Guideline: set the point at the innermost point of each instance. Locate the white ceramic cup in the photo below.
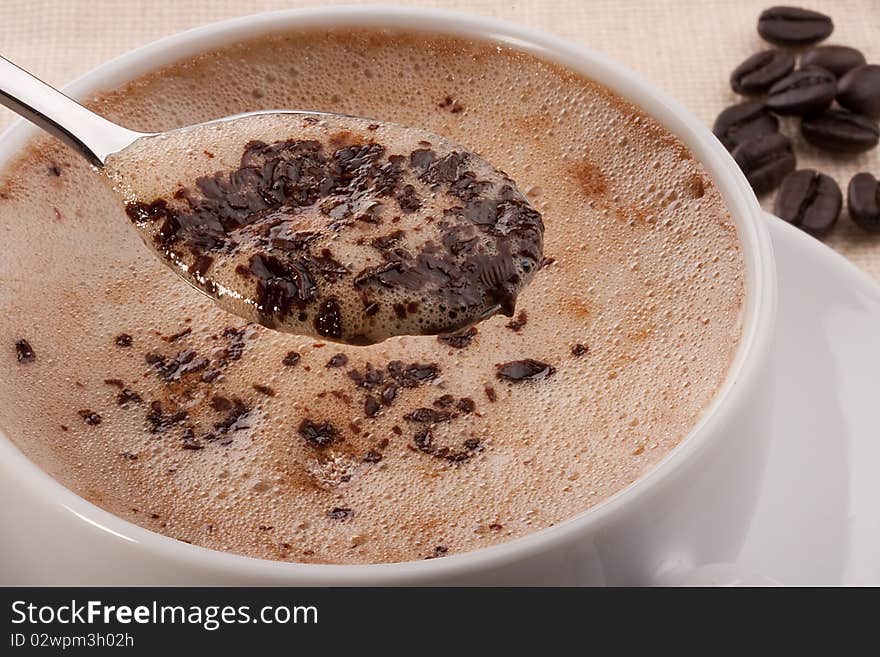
(691, 509)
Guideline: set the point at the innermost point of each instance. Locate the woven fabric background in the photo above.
(687, 47)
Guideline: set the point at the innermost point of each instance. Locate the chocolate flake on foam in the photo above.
(318, 434)
(126, 396)
(340, 513)
(527, 369)
(24, 353)
(90, 417)
(337, 360)
(173, 368)
(578, 349)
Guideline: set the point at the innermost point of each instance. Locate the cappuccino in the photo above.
(139, 394)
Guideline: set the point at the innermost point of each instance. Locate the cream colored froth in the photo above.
(645, 272)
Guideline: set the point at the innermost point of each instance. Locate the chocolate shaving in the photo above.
(428, 416)
(372, 456)
(439, 551)
(413, 375)
(444, 401)
(389, 393)
(578, 350)
(281, 287)
(90, 417)
(339, 360)
(127, 395)
(24, 352)
(340, 513)
(328, 322)
(172, 369)
(235, 348)
(318, 435)
(371, 406)
(524, 370)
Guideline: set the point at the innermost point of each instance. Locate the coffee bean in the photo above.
(805, 91)
(840, 131)
(792, 26)
(863, 201)
(765, 161)
(859, 90)
(757, 73)
(739, 123)
(837, 59)
(809, 200)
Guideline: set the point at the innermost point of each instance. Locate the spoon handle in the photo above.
(91, 135)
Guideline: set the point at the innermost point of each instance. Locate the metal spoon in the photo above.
(319, 224)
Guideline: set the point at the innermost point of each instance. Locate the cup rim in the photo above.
(758, 312)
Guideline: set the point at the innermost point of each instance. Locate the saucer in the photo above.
(817, 521)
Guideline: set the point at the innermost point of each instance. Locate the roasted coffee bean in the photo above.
(840, 131)
(742, 122)
(757, 73)
(809, 200)
(792, 26)
(863, 201)
(765, 161)
(805, 91)
(837, 59)
(859, 90)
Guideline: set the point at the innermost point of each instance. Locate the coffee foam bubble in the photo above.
(648, 276)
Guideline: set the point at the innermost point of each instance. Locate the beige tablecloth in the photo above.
(688, 47)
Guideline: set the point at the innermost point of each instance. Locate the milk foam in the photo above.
(644, 273)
